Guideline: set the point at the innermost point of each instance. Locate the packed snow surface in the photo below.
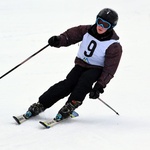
(25, 27)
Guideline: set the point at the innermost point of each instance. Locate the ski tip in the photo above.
(44, 124)
(16, 120)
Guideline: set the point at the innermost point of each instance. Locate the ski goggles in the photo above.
(104, 24)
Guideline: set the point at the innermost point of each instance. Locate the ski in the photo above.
(22, 118)
(50, 123)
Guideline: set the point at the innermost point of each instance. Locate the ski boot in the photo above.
(34, 110)
(67, 109)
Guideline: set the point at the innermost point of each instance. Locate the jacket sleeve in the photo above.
(73, 35)
(112, 59)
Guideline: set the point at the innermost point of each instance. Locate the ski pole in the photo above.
(108, 106)
(24, 61)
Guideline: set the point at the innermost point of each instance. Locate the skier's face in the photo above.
(102, 25)
(100, 30)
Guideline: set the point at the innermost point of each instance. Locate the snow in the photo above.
(25, 27)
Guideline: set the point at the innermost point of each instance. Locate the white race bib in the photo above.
(92, 51)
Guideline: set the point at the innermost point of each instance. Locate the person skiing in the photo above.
(96, 62)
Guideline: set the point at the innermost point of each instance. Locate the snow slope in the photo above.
(25, 28)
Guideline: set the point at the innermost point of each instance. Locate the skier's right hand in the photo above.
(54, 41)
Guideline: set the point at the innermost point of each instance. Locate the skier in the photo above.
(95, 64)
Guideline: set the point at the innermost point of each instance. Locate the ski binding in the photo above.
(50, 123)
(22, 118)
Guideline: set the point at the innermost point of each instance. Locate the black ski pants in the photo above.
(78, 83)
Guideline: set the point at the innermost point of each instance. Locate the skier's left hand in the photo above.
(95, 92)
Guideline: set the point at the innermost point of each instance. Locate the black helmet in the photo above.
(109, 15)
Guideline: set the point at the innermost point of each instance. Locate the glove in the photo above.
(54, 41)
(95, 92)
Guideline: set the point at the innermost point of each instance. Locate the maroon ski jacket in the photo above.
(112, 55)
